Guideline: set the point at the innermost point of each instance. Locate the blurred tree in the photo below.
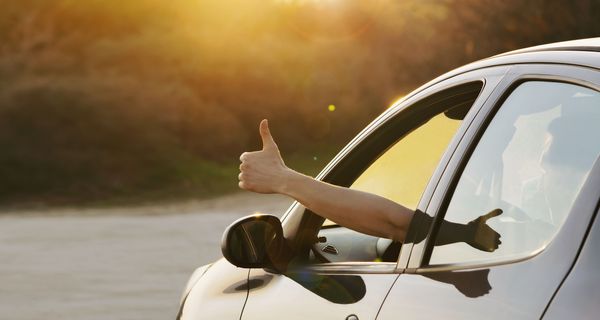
(104, 97)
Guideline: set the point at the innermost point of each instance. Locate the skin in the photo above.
(264, 171)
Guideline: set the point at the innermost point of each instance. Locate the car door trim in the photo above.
(353, 268)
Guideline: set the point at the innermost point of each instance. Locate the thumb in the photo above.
(265, 134)
(491, 214)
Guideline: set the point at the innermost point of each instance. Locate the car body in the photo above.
(509, 143)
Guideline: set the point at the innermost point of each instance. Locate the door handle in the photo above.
(330, 249)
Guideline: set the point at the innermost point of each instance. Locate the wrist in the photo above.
(451, 232)
(470, 233)
(291, 182)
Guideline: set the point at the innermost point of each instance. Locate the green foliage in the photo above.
(105, 99)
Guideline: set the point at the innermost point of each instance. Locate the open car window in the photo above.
(400, 173)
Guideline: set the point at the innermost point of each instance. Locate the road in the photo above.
(128, 263)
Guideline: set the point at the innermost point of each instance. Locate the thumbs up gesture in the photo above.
(482, 236)
(264, 171)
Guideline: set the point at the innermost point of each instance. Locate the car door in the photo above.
(339, 273)
(518, 194)
(579, 294)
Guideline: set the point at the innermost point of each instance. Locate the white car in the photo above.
(499, 158)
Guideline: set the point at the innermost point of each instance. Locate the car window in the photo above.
(400, 174)
(524, 175)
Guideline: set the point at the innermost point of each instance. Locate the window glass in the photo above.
(523, 176)
(402, 172)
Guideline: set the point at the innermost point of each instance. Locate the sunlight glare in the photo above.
(310, 1)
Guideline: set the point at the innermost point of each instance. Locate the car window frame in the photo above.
(576, 75)
(297, 220)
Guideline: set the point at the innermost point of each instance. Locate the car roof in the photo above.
(582, 52)
(591, 44)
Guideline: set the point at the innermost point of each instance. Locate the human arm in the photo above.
(265, 172)
(360, 211)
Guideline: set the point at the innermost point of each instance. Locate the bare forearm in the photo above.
(265, 172)
(357, 210)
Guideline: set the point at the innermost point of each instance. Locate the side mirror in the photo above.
(254, 242)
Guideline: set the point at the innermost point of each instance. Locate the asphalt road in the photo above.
(129, 263)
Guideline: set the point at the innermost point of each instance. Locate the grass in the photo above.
(199, 179)
(188, 178)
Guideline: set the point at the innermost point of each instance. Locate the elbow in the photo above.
(394, 230)
(398, 234)
(399, 223)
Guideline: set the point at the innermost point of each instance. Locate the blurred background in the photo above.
(121, 122)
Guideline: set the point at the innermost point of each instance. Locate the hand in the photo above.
(482, 236)
(264, 171)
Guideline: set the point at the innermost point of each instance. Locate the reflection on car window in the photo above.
(530, 163)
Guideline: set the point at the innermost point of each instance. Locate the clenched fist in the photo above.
(264, 171)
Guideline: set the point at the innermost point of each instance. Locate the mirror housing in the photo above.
(255, 241)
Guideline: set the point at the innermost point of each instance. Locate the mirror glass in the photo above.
(253, 242)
